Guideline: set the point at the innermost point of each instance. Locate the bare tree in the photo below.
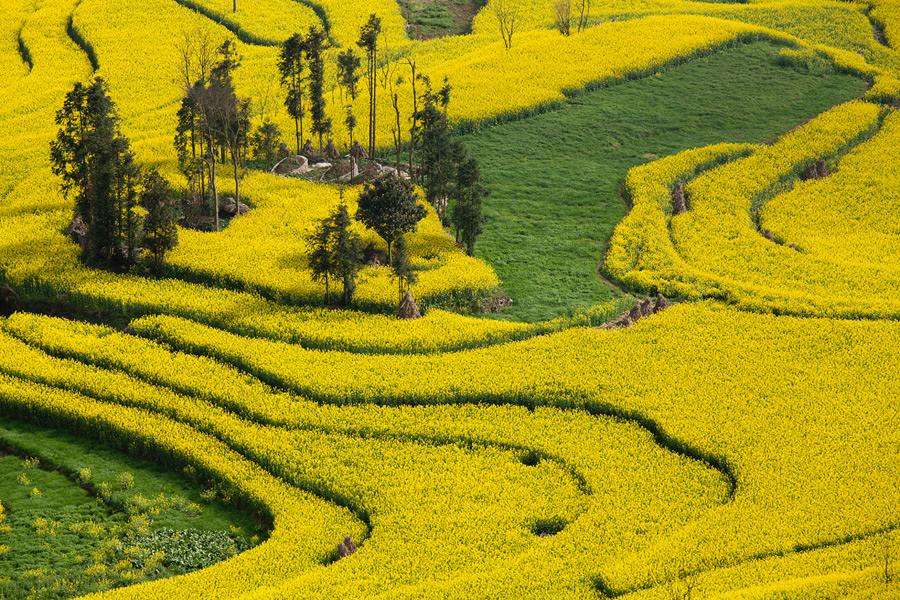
(563, 10)
(584, 9)
(196, 57)
(507, 13)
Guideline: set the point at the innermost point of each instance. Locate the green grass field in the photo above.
(554, 177)
(59, 556)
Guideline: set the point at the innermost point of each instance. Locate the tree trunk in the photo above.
(212, 183)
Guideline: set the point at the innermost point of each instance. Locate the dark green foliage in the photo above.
(368, 41)
(315, 46)
(96, 166)
(468, 193)
(388, 207)
(347, 251)
(439, 151)
(335, 251)
(554, 177)
(160, 232)
(401, 265)
(265, 141)
(291, 64)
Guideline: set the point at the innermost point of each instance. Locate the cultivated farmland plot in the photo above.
(208, 425)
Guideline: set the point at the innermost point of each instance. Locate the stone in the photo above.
(322, 165)
(292, 165)
(408, 308)
(679, 204)
(661, 303)
(768, 235)
(346, 548)
(229, 208)
(331, 150)
(646, 307)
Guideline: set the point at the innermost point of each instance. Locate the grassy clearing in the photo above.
(554, 177)
(65, 542)
(436, 18)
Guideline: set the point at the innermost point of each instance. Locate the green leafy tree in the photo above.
(388, 207)
(160, 232)
(265, 141)
(291, 65)
(368, 41)
(468, 193)
(401, 266)
(96, 166)
(316, 45)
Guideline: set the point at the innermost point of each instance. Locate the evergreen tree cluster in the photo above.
(96, 166)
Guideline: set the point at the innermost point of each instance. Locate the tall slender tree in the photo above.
(368, 41)
(348, 65)
(347, 251)
(291, 65)
(316, 44)
(468, 193)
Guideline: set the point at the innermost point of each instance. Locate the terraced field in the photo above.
(744, 443)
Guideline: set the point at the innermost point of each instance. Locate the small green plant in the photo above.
(104, 491)
(125, 481)
(84, 476)
(34, 494)
(30, 463)
(22, 479)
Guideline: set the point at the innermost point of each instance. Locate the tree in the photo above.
(160, 232)
(388, 207)
(347, 250)
(368, 41)
(414, 77)
(584, 10)
(265, 141)
(348, 77)
(291, 64)
(507, 13)
(335, 251)
(95, 164)
(468, 193)
(319, 255)
(563, 12)
(396, 130)
(401, 266)
(316, 45)
(439, 153)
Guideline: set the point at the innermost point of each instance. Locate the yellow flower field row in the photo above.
(851, 217)
(476, 520)
(808, 454)
(715, 249)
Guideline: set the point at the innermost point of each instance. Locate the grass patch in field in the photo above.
(436, 18)
(55, 534)
(554, 177)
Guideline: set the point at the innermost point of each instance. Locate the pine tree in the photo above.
(347, 251)
(401, 265)
(439, 151)
(319, 255)
(466, 214)
(160, 232)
